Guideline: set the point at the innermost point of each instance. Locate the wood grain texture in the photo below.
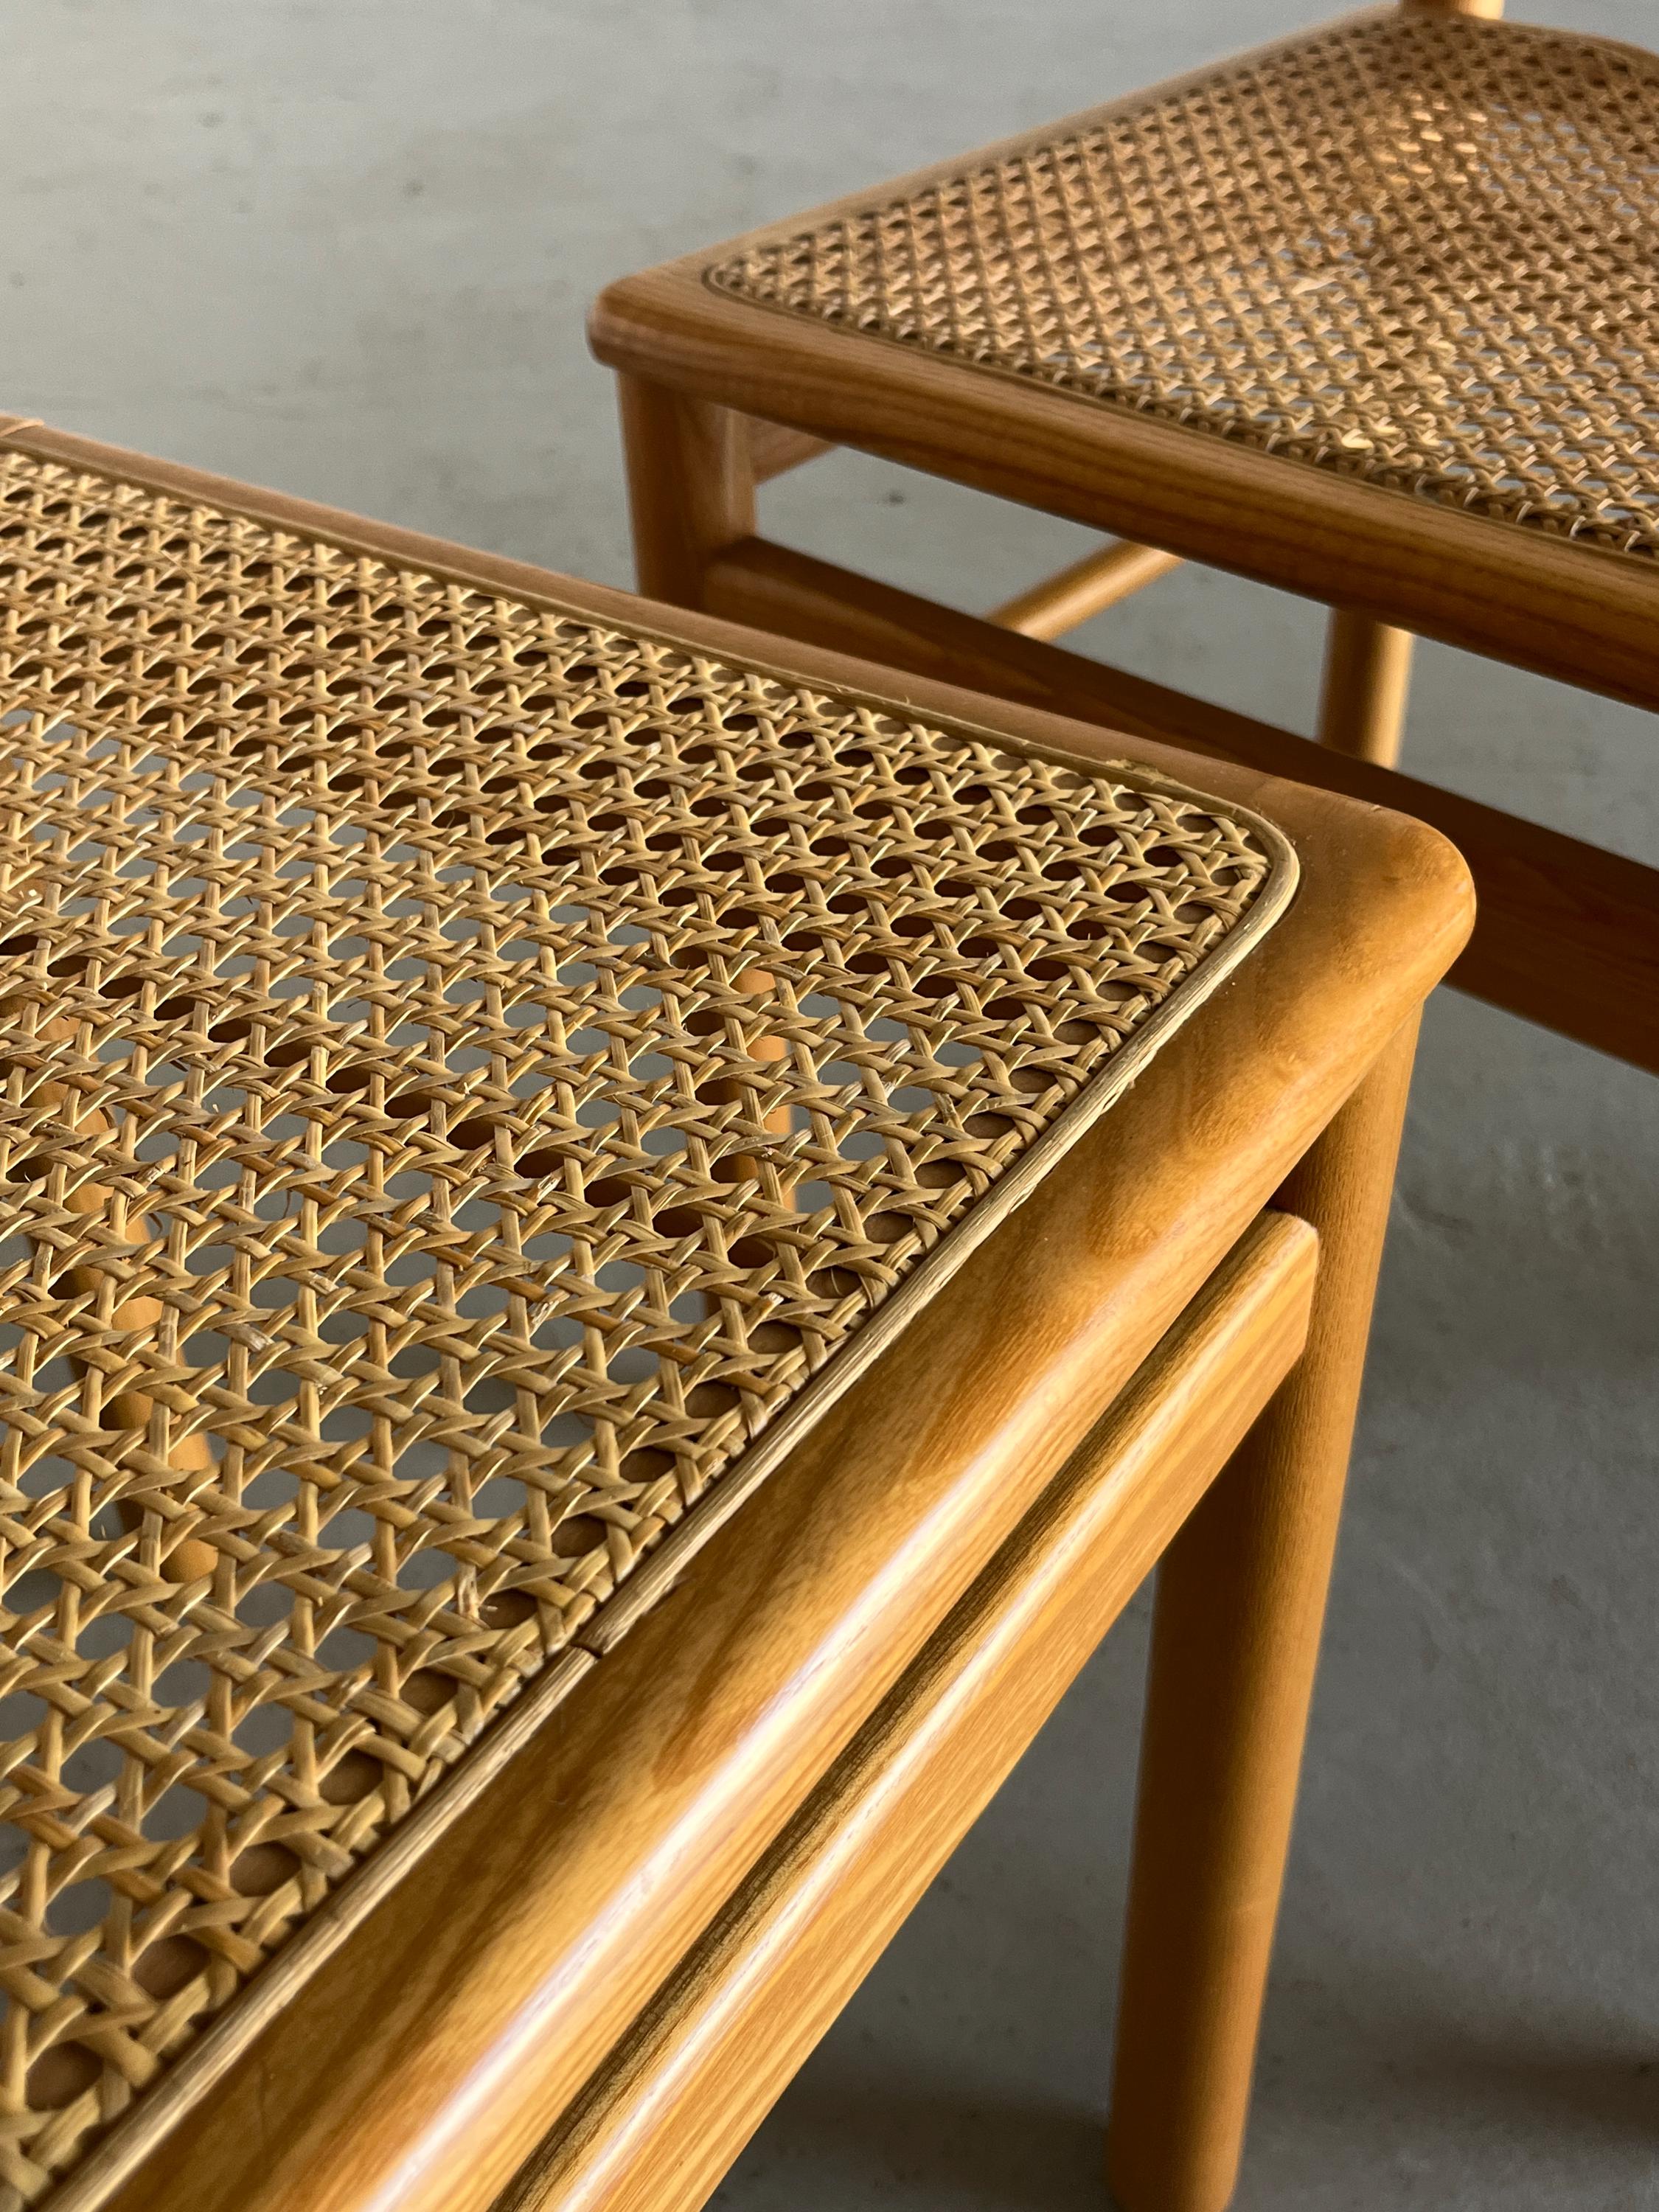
(669, 2108)
(1566, 935)
(775, 449)
(419, 2065)
(1241, 1601)
(1362, 698)
(1088, 587)
(690, 485)
(1585, 616)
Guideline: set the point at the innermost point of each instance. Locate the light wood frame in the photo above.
(664, 2115)
(451, 2005)
(1568, 933)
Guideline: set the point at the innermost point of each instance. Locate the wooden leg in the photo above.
(667, 2111)
(690, 485)
(1362, 703)
(1062, 602)
(1240, 1602)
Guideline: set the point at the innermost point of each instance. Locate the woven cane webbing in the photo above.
(466, 1068)
(1418, 251)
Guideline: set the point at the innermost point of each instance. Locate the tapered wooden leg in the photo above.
(1362, 703)
(1241, 1599)
(690, 485)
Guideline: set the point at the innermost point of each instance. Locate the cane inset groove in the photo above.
(464, 1070)
(1419, 250)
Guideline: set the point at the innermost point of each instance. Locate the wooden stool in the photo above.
(1366, 315)
(490, 1647)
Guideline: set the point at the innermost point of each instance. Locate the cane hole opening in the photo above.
(427, 1691)
(608, 1190)
(777, 1339)
(508, 1609)
(166, 1967)
(262, 1870)
(351, 1779)
(60, 2076)
(577, 1534)
(887, 1228)
(646, 1465)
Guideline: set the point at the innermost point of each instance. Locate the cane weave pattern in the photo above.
(464, 1069)
(1421, 252)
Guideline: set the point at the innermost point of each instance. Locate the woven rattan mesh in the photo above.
(1419, 250)
(464, 1069)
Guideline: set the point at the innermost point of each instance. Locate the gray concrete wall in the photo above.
(344, 247)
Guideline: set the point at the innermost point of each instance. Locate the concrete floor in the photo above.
(344, 247)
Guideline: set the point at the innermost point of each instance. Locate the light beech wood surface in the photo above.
(420, 2062)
